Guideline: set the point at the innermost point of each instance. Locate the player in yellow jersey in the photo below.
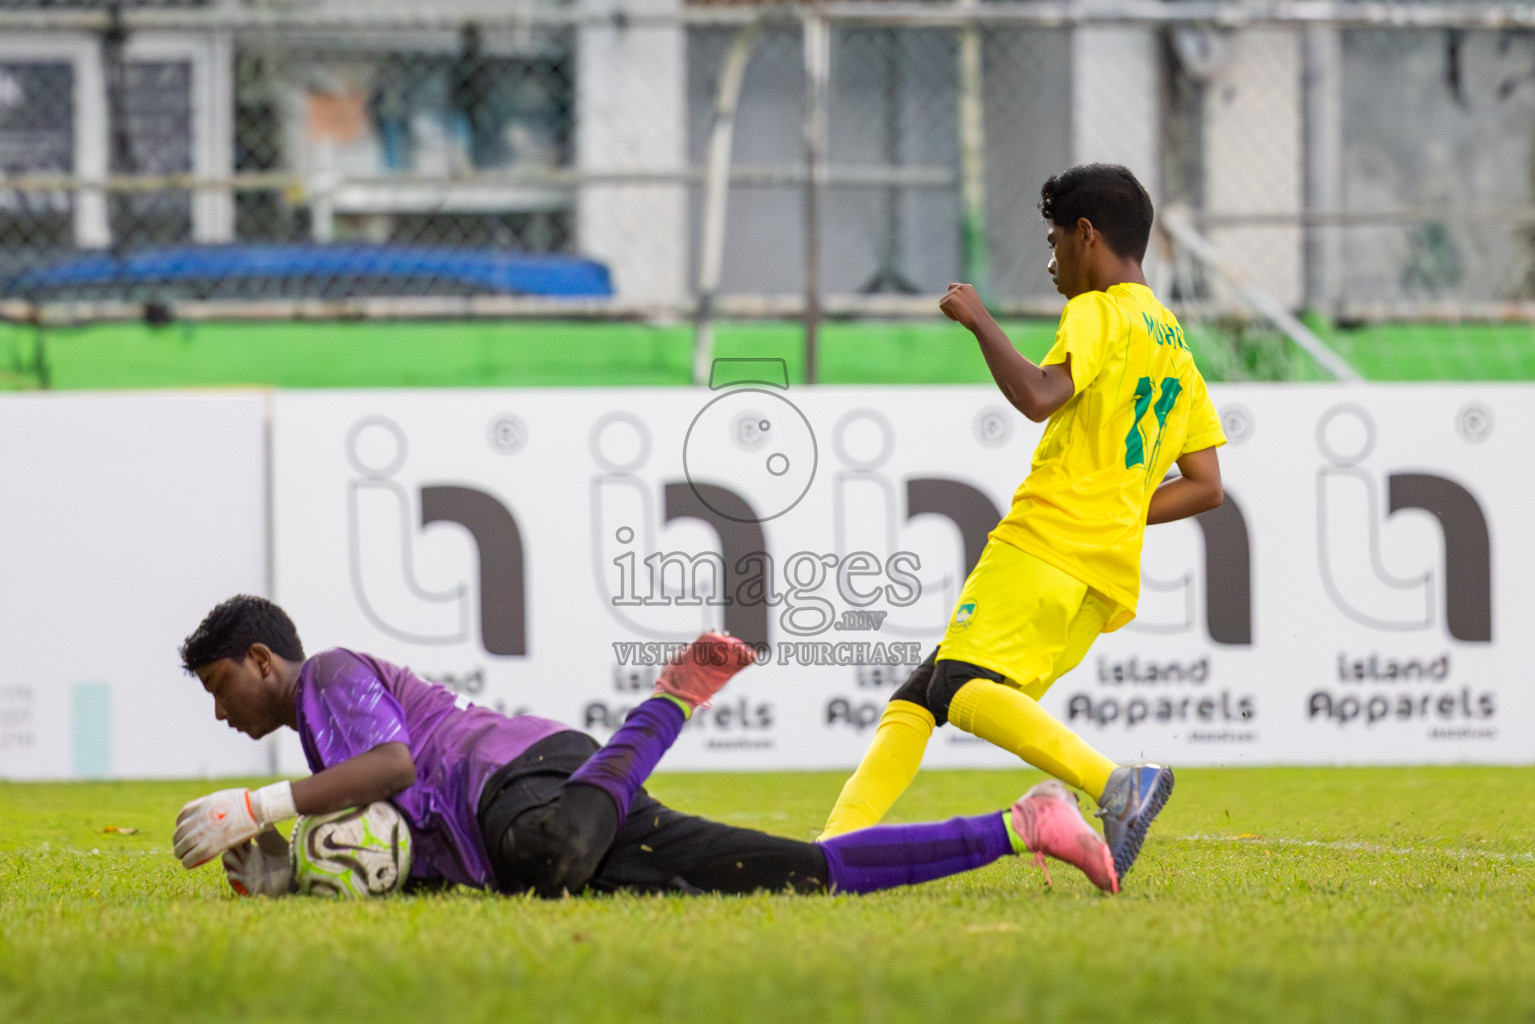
(1124, 402)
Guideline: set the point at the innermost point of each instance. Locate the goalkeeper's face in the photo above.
(246, 694)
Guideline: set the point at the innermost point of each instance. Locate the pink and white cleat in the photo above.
(1049, 822)
(704, 668)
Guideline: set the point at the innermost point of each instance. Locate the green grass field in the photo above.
(1263, 895)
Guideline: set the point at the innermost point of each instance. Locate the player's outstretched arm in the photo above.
(1035, 391)
(209, 825)
(1197, 490)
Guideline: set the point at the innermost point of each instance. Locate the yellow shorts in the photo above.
(1023, 617)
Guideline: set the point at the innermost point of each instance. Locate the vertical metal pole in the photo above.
(92, 151)
(817, 74)
(213, 210)
(887, 271)
(322, 192)
(114, 42)
(974, 248)
(1322, 64)
(711, 252)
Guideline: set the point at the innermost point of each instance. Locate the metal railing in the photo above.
(1360, 160)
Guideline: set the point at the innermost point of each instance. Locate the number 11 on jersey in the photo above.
(1135, 441)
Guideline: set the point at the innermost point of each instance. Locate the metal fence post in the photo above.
(817, 76)
(974, 248)
(711, 247)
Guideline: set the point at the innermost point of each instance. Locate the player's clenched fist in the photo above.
(962, 304)
(209, 825)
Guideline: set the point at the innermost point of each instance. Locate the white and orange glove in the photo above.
(209, 825)
(260, 866)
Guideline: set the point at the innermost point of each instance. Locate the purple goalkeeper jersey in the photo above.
(349, 703)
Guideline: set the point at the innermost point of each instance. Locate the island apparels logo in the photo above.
(1400, 588)
(384, 516)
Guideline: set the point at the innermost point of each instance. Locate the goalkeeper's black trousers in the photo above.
(550, 838)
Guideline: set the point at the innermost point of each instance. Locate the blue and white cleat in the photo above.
(1131, 800)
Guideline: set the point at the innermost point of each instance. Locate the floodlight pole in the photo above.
(817, 35)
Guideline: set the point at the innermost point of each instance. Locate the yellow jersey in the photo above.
(1138, 404)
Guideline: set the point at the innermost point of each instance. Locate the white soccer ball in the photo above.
(363, 851)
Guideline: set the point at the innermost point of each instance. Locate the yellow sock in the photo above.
(887, 768)
(1013, 721)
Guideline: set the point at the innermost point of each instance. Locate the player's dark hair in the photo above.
(229, 630)
(1109, 196)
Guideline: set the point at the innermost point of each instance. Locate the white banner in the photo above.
(127, 517)
(1360, 598)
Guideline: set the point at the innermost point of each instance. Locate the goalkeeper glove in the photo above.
(260, 867)
(208, 826)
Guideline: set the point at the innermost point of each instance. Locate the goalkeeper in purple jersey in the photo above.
(523, 803)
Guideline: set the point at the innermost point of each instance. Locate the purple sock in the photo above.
(623, 764)
(886, 856)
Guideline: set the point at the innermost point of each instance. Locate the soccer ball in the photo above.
(364, 851)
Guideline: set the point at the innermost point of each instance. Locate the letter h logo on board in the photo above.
(1354, 547)
(385, 550)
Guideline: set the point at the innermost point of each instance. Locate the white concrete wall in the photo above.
(1115, 107)
(631, 116)
(1253, 157)
(1114, 101)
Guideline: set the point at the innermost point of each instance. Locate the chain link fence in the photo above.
(1363, 162)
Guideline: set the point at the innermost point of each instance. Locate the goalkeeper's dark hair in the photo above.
(229, 630)
(1109, 196)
